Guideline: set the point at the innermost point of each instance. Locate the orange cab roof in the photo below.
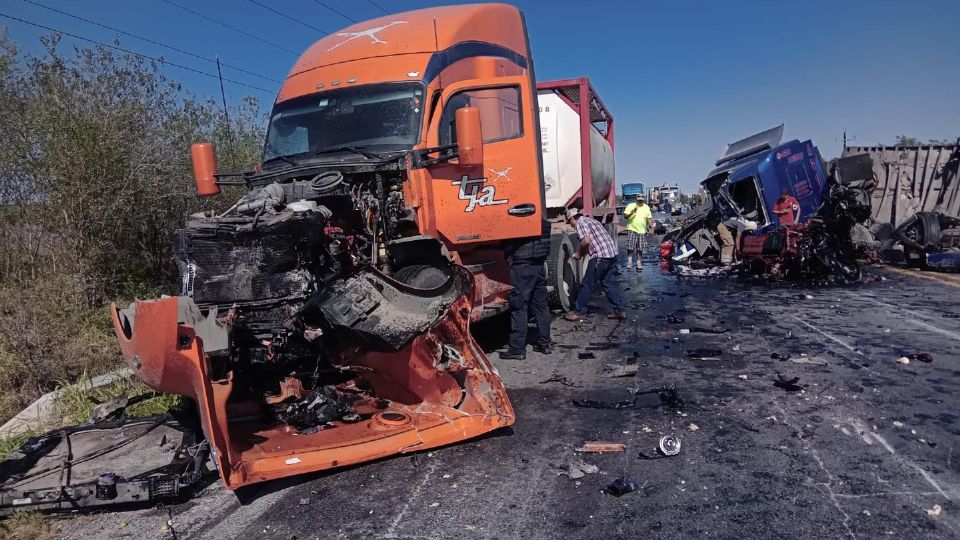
(421, 31)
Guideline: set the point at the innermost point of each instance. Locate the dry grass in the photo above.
(25, 526)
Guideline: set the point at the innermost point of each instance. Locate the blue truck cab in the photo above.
(749, 178)
(632, 190)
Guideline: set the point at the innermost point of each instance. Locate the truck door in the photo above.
(503, 198)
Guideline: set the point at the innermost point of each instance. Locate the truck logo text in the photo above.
(471, 191)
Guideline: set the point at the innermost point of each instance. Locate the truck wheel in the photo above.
(421, 276)
(563, 272)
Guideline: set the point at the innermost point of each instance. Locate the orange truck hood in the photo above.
(437, 389)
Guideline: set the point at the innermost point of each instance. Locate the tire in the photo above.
(563, 273)
(421, 276)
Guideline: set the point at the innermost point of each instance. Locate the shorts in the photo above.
(636, 241)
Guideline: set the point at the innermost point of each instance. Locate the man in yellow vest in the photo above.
(639, 226)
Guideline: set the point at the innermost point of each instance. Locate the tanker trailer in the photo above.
(578, 171)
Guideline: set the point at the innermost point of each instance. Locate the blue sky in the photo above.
(682, 78)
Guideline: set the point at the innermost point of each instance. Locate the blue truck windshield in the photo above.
(382, 116)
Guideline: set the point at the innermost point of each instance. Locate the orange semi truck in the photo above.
(323, 319)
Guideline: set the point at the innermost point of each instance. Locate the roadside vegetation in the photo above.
(95, 178)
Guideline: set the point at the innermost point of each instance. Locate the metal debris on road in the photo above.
(790, 385)
(600, 447)
(809, 360)
(617, 370)
(704, 354)
(926, 358)
(669, 445)
(562, 379)
(576, 468)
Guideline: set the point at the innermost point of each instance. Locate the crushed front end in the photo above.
(300, 352)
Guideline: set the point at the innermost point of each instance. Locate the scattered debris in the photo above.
(809, 360)
(702, 330)
(586, 356)
(622, 486)
(926, 358)
(305, 501)
(742, 377)
(693, 427)
(669, 445)
(935, 511)
(704, 354)
(897, 423)
(737, 347)
(684, 330)
(598, 404)
(780, 356)
(577, 468)
(434, 504)
(903, 360)
(617, 370)
(601, 447)
(790, 385)
(32, 478)
(562, 379)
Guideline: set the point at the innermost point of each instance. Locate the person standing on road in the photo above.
(639, 226)
(787, 208)
(603, 251)
(528, 296)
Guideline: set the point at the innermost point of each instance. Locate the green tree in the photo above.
(95, 178)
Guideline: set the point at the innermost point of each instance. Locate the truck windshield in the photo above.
(385, 116)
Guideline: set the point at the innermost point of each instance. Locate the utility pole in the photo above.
(223, 97)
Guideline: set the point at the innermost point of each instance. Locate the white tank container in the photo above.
(561, 143)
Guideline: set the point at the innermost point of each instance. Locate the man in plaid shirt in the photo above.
(603, 251)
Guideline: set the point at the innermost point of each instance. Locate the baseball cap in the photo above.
(572, 212)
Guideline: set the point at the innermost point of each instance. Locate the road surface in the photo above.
(868, 448)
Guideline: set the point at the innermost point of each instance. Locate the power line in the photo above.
(234, 28)
(376, 5)
(148, 40)
(347, 17)
(285, 16)
(139, 55)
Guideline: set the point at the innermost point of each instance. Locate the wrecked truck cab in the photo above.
(752, 173)
(393, 369)
(745, 184)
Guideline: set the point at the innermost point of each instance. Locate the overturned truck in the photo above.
(324, 319)
(744, 189)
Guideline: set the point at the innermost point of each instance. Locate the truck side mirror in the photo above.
(205, 169)
(469, 137)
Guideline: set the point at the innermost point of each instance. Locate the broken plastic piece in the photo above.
(622, 486)
(704, 354)
(601, 447)
(616, 370)
(790, 385)
(926, 358)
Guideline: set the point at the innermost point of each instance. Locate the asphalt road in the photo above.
(868, 448)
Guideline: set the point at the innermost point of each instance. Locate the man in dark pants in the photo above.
(602, 248)
(529, 294)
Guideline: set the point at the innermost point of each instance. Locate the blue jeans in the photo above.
(599, 270)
